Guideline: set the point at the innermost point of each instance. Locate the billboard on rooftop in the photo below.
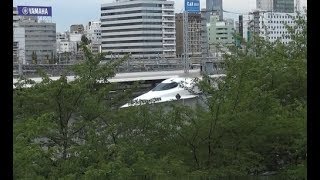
(34, 11)
(192, 6)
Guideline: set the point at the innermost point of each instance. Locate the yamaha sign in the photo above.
(34, 11)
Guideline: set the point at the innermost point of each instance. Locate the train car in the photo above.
(173, 89)
(168, 90)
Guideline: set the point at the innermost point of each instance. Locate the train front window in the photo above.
(165, 86)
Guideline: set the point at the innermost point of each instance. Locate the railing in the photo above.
(167, 7)
(168, 14)
(131, 65)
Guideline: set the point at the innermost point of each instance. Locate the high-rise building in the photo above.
(204, 34)
(281, 6)
(39, 44)
(194, 34)
(284, 6)
(220, 32)
(142, 28)
(271, 26)
(215, 8)
(93, 33)
(34, 42)
(265, 5)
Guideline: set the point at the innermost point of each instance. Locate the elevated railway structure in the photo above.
(130, 65)
(126, 81)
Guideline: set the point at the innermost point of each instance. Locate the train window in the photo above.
(165, 86)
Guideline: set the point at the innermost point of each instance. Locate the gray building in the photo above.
(16, 18)
(204, 34)
(77, 28)
(281, 6)
(40, 41)
(144, 29)
(194, 33)
(214, 7)
(15, 15)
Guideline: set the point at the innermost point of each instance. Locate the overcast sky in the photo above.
(67, 12)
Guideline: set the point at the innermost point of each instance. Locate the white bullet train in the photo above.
(172, 89)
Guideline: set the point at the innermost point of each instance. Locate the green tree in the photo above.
(52, 59)
(34, 58)
(55, 114)
(85, 40)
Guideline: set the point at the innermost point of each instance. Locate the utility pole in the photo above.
(186, 42)
(20, 61)
(298, 5)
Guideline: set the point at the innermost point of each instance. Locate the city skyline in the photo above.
(66, 13)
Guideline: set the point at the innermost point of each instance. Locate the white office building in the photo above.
(64, 46)
(271, 26)
(61, 36)
(142, 28)
(93, 33)
(75, 37)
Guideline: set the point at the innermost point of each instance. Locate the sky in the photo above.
(68, 12)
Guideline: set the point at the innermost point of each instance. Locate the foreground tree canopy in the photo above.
(253, 123)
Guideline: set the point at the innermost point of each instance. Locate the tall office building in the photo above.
(93, 33)
(39, 41)
(32, 39)
(272, 26)
(142, 28)
(281, 6)
(214, 6)
(265, 5)
(220, 32)
(194, 34)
